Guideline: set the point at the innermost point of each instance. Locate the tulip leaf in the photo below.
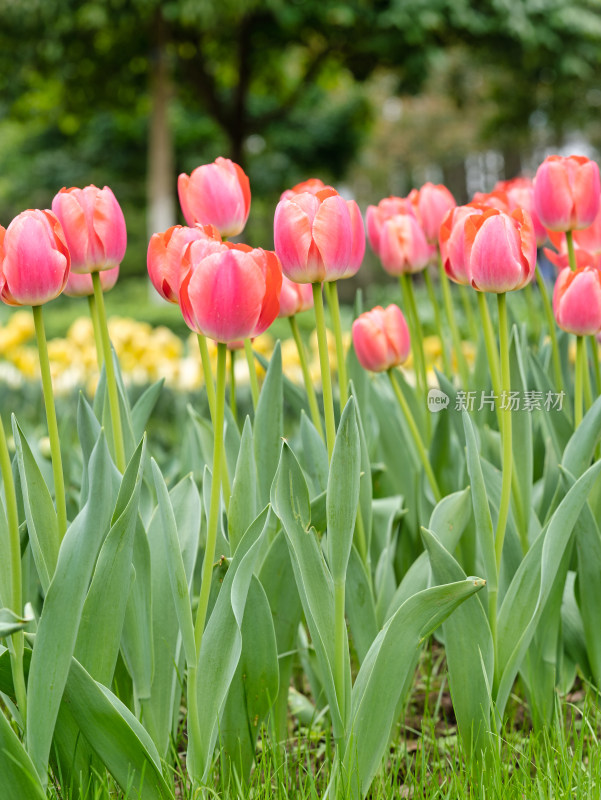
(11, 623)
(243, 501)
(268, 427)
(18, 776)
(140, 413)
(360, 607)
(580, 450)
(315, 456)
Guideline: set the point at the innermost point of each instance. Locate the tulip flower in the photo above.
(312, 185)
(34, 259)
(381, 338)
(500, 250)
(577, 300)
(567, 192)
(519, 193)
(452, 242)
(431, 203)
(403, 247)
(294, 297)
(376, 216)
(164, 258)
(216, 194)
(319, 237)
(80, 284)
(94, 227)
(496, 199)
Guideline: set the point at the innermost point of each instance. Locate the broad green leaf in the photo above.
(293, 394)
(363, 527)
(315, 456)
(382, 676)
(268, 427)
(556, 423)
(140, 413)
(588, 586)
(580, 449)
(88, 430)
(521, 436)
(18, 776)
(360, 607)
(343, 492)
(243, 501)
(5, 551)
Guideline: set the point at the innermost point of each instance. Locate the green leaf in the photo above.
(268, 427)
(588, 586)
(88, 430)
(315, 456)
(243, 501)
(360, 607)
(580, 449)
(379, 684)
(18, 776)
(11, 622)
(140, 413)
(521, 436)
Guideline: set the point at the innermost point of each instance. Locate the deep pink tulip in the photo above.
(294, 297)
(431, 203)
(520, 194)
(216, 194)
(94, 227)
(319, 237)
(567, 192)
(312, 185)
(34, 259)
(381, 338)
(164, 257)
(403, 245)
(577, 300)
(80, 284)
(376, 216)
(500, 250)
(231, 294)
(451, 241)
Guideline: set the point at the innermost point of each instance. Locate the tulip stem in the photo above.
(417, 439)
(490, 344)
(571, 251)
(465, 294)
(588, 392)
(96, 327)
(213, 521)
(252, 372)
(331, 290)
(578, 380)
(446, 363)
(507, 460)
(551, 326)
(415, 330)
(55, 445)
(15, 598)
(340, 646)
(210, 387)
(595, 356)
(324, 363)
(448, 303)
(111, 380)
(302, 355)
(233, 385)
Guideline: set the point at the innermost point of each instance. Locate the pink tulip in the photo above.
(520, 194)
(452, 242)
(319, 237)
(80, 284)
(567, 192)
(230, 294)
(381, 338)
(431, 203)
(94, 227)
(164, 258)
(294, 297)
(312, 185)
(500, 250)
(588, 239)
(496, 199)
(34, 259)
(216, 194)
(577, 300)
(403, 245)
(376, 216)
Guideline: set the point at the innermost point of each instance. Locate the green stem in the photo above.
(97, 336)
(213, 521)
(252, 372)
(233, 407)
(55, 445)
(416, 332)
(446, 363)
(417, 439)
(208, 373)
(578, 380)
(571, 251)
(507, 461)
(595, 356)
(548, 311)
(331, 290)
(111, 380)
(448, 303)
(16, 598)
(310, 389)
(465, 293)
(340, 648)
(490, 344)
(588, 392)
(324, 363)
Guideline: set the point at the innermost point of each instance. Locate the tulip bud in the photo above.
(577, 300)
(376, 216)
(403, 245)
(319, 237)
(80, 284)
(294, 297)
(431, 203)
(452, 242)
(500, 250)
(216, 194)
(164, 258)
(34, 259)
(94, 227)
(230, 294)
(381, 338)
(567, 192)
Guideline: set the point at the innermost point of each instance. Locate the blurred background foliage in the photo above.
(375, 96)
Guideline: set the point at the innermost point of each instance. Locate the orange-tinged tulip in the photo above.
(431, 204)
(216, 194)
(381, 338)
(567, 192)
(577, 300)
(452, 242)
(520, 194)
(312, 185)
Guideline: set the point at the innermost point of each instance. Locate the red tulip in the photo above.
(94, 227)
(403, 245)
(500, 250)
(230, 294)
(376, 216)
(216, 194)
(496, 199)
(319, 237)
(520, 194)
(80, 284)
(567, 192)
(312, 185)
(294, 297)
(164, 258)
(381, 338)
(34, 259)
(431, 203)
(451, 241)
(577, 300)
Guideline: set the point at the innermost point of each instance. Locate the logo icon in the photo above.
(437, 400)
